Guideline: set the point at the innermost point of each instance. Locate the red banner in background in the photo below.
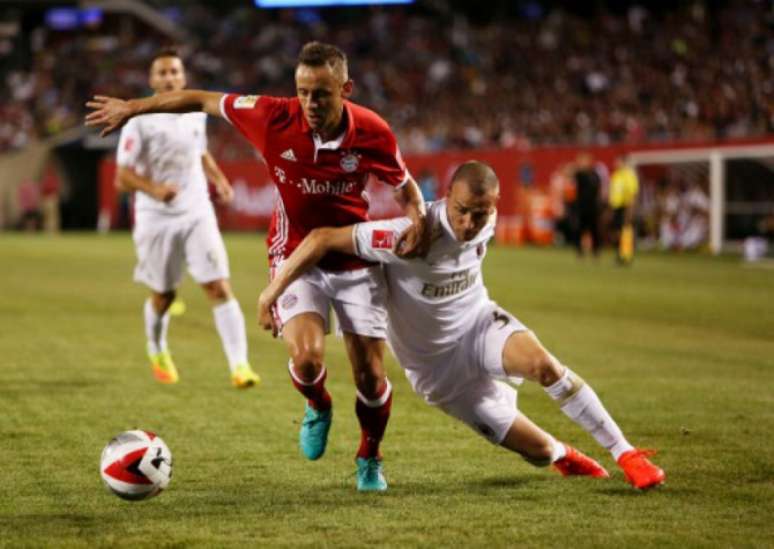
(529, 198)
(254, 196)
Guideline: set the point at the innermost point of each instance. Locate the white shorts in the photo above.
(164, 245)
(464, 382)
(488, 407)
(357, 297)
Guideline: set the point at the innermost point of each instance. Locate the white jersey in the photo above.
(167, 148)
(433, 301)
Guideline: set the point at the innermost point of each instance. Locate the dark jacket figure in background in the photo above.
(588, 185)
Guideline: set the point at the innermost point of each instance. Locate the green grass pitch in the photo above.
(680, 349)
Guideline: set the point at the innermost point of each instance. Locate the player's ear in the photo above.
(347, 88)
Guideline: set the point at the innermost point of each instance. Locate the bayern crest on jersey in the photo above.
(136, 465)
(349, 162)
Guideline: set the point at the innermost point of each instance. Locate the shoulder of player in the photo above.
(369, 124)
(249, 102)
(131, 125)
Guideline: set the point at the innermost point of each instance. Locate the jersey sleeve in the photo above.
(376, 240)
(389, 166)
(129, 144)
(251, 115)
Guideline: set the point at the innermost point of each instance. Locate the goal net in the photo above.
(713, 197)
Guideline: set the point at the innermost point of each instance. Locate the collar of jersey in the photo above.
(443, 216)
(344, 140)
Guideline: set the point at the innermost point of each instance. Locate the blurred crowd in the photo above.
(441, 79)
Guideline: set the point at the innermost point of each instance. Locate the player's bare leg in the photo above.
(156, 313)
(230, 323)
(541, 449)
(304, 337)
(524, 356)
(373, 405)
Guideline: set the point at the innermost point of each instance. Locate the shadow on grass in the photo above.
(47, 385)
(628, 491)
(340, 493)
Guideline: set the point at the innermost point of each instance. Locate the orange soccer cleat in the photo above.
(577, 463)
(639, 471)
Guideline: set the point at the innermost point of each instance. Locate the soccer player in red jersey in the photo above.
(320, 149)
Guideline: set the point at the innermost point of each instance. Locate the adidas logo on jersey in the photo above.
(289, 155)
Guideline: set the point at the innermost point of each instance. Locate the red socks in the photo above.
(315, 392)
(373, 415)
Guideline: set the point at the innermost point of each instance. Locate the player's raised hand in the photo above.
(265, 317)
(109, 112)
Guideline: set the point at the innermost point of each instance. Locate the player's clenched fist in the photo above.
(414, 241)
(265, 318)
(166, 192)
(109, 112)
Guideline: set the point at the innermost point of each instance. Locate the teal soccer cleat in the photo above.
(369, 475)
(313, 437)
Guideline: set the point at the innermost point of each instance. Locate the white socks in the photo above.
(580, 403)
(558, 451)
(230, 323)
(155, 329)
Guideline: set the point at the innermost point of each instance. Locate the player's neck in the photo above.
(336, 128)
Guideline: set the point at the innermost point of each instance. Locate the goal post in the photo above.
(738, 179)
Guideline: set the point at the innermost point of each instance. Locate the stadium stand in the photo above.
(444, 80)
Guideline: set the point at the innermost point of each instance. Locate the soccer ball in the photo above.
(136, 465)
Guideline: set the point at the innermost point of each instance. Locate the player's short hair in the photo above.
(479, 176)
(166, 51)
(319, 54)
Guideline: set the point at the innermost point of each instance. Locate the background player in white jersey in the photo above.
(165, 158)
(455, 344)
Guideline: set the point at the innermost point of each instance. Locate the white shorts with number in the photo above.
(165, 244)
(357, 297)
(467, 382)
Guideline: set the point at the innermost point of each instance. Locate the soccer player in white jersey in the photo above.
(456, 345)
(164, 159)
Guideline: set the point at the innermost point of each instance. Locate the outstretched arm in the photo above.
(415, 241)
(311, 250)
(218, 178)
(112, 113)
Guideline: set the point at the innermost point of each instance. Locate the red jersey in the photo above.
(321, 184)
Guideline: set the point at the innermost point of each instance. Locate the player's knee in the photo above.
(163, 300)
(217, 290)
(307, 362)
